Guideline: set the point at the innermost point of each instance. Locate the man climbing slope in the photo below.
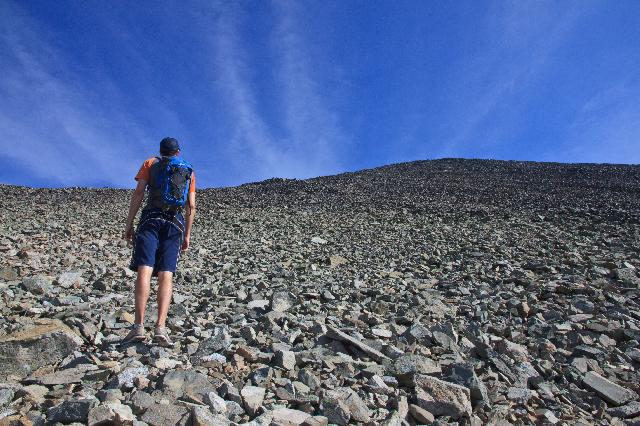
(163, 231)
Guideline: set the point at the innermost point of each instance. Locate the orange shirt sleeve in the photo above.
(192, 185)
(143, 173)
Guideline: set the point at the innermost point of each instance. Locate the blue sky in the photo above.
(257, 89)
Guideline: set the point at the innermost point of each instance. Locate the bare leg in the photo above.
(143, 283)
(165, 289)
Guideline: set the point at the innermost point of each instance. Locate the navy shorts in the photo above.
(158, 241)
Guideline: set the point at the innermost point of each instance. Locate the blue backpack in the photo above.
(170, 183)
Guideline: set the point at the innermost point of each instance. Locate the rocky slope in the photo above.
(454, 291)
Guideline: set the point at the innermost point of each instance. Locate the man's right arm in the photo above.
(134, 206)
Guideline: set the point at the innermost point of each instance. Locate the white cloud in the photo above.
(316, 137)
(252, 146)
(52, 122)
(310, 145)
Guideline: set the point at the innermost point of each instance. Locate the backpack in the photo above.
(170, 183)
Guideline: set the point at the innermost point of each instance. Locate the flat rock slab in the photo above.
(357, 408)
(407, 366)
(609, 391)
(442, 398)
(335, 333)
(111, 414)
(71, 411)
(289, 417)
(68, 376)
(166, 415)
(201, 416)
(46, 343)
(632, 409)
(187, 383)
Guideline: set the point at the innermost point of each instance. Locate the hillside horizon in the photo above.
(384, 166)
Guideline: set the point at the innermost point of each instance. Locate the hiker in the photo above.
(162, 233)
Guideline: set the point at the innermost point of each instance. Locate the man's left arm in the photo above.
(189, 216)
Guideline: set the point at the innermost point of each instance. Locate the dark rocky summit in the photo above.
(448, 291)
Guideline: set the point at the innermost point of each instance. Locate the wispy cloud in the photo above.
(251, 145)
(309, 145)
(316, 137)
(53, 122)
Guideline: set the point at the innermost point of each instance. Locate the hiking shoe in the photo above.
(161, 337)
(135, 335)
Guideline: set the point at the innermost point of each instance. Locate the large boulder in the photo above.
(191, 383)
(442, 398)
(46, 342)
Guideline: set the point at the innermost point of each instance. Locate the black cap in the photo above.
(169, 145)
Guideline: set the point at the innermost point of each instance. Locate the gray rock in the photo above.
(230, 392)
(547, 416)
(516, 352)
(421, 415)
(406, 367)
(337, 334)
(6, 396)
(442, 398)
(289, 417)
(216, 404)
(166, 415)
(140, 401)
(258, 304)
(219, 341)
(261, 376)
(201, 416)
(464, 374)
(280, 301)
(38, 284)
(109, 395)
(632, 409)
(126, 377)
(70, 279)
(519, 395)
(628, 277)
(111, 414)
(252, 397)
(285, 359)
(609, 391)
(44, 343)
(186, 382)
(76, 410)
(307, 377)
(445, 335)
(8, 273)
(335, 410)
(357, 408)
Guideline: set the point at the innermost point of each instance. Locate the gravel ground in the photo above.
(432, 292)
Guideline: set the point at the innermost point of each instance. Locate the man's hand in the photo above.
(185, 242)
(128, 233)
